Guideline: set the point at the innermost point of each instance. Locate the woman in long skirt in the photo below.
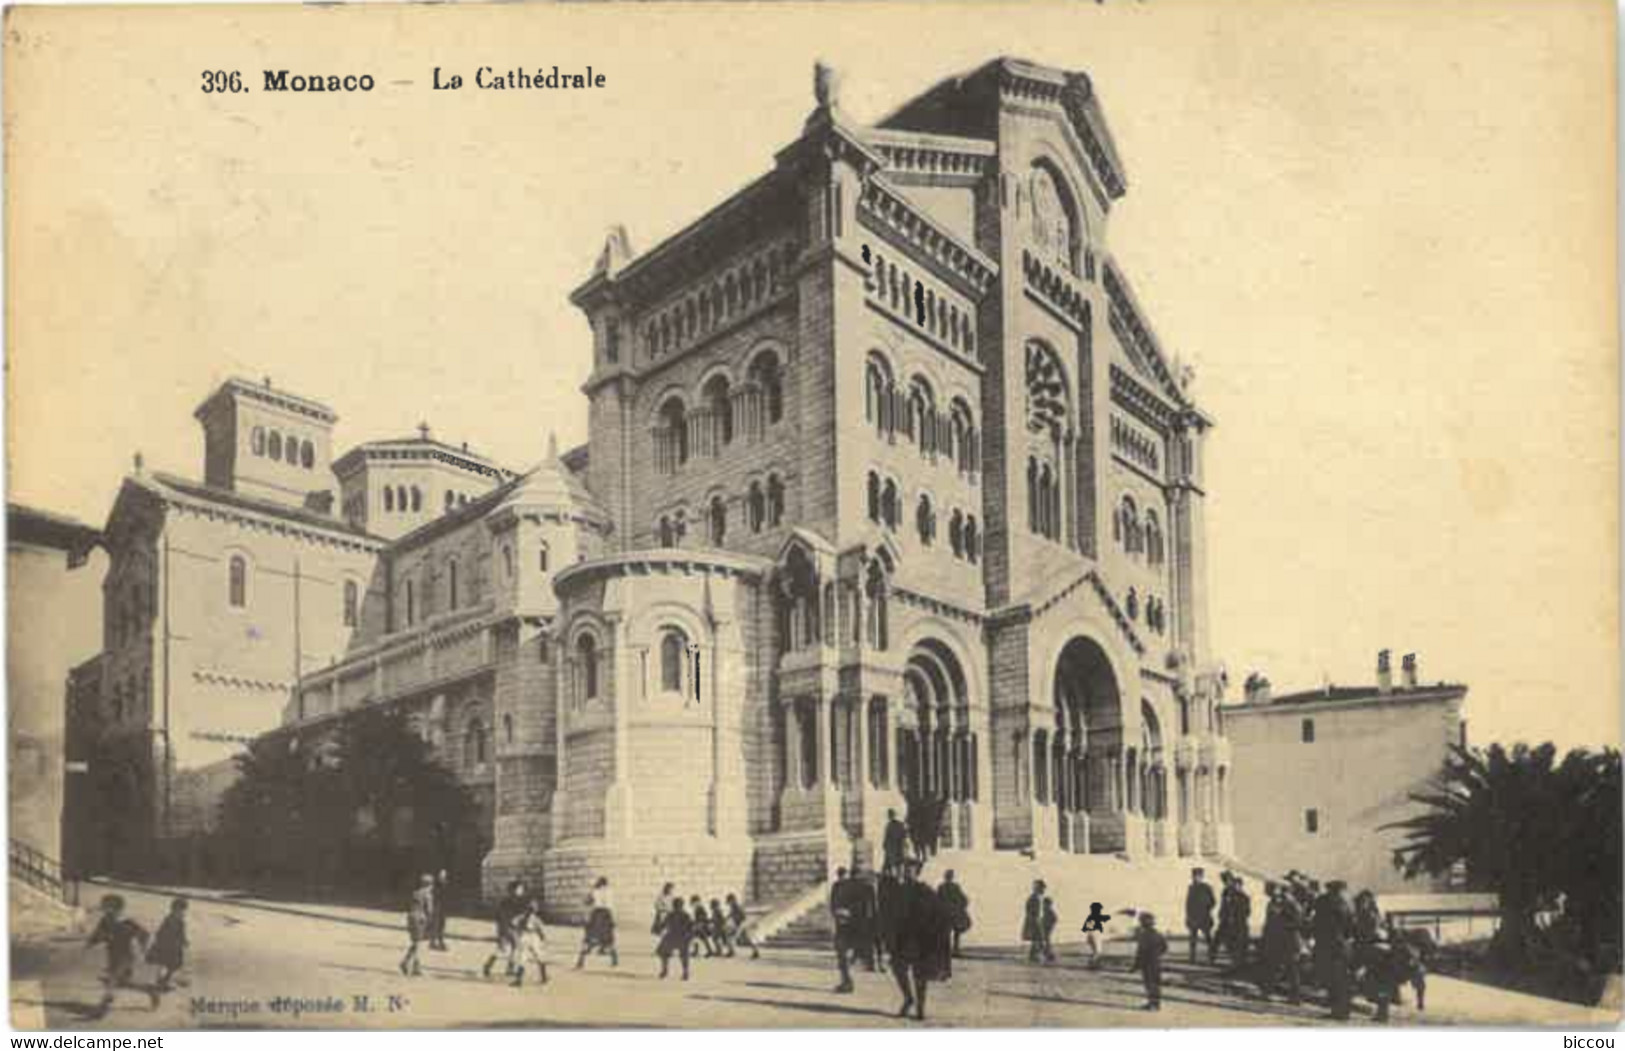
(600, 933)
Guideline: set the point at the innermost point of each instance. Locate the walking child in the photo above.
(168, 950)
(600, 932)
(720, 930)
(737, 923)
(418, 916)
(1093, 928)
(121, 935)
(700, 922)
(529, 945)
(1149, 949)
(674, 938)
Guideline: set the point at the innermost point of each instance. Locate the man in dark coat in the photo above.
(957, 906)
(893, 844)
(851, 904)
(1149, 949)
(1283, 942)
(1032, 922)
(1241, 918)
(1334, 927)
(918, 938)
(1199, 912)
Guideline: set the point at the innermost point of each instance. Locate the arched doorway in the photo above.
(1084, 755)
(936, 744)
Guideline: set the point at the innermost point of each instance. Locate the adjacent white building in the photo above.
(1318, 774)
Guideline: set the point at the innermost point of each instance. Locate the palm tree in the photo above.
(1527, 827)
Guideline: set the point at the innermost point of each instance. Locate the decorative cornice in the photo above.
(208, 510)
(931, 604)
(1127, 321)
(241, 682)
(1057, 288)
(920, 154)
(1092, 578)
(1074, 94)
(887, 206)
(664, 561)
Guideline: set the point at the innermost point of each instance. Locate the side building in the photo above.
(219, 595)
(1320, 773)
(53, 573)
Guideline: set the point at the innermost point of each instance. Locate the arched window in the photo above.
(719, 403)
(275, 445)
(256, 441)
(417, 498)
(775, 501)
(890, 505)
(1153, 538)
(401, 500)
(352, 602)
(874, 497)
(673, 433)
(237, 589)
(663, 533)
(962, 432)
(719, 521)
(451, 499)
(925, 520)
(956, 533)
(475, 744)
(587, 666)
(673, 655)
(541, 559)
(389, 499)
(411, 604)
(973, 541)
(1131, 605)
(756, 507)
(1132, 537)
(507, 729)
(922, 416)
(1053, 229)
(507, 561)
(307, 456)
(452, 594)
(766, 374)
(879, 390)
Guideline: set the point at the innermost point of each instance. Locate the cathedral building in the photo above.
(891, 492)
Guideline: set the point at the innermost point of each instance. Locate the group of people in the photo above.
(686, 929)
(895, 917)
(1314, 933)
(125, 939)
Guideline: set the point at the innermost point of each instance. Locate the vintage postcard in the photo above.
(849, 515)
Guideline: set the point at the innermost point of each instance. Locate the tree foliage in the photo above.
(1539, 832)
(357, 807)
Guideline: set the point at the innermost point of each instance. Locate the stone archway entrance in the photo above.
(1081, 765)
(937, 743)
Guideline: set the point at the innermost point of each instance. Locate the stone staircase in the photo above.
(998, 883)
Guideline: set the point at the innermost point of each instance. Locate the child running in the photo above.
(168, 950)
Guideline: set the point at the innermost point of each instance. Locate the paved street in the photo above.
(256, 952)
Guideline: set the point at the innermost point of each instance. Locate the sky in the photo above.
(1383, 233)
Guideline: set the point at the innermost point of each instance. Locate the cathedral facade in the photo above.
(890, 492)
(905, 498)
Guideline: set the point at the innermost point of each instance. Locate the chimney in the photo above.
(1385, 672)
(1256, 690)
(1407, 671)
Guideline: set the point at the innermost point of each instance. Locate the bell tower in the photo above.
(267, 443)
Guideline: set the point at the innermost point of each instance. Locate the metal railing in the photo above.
(43, 873)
